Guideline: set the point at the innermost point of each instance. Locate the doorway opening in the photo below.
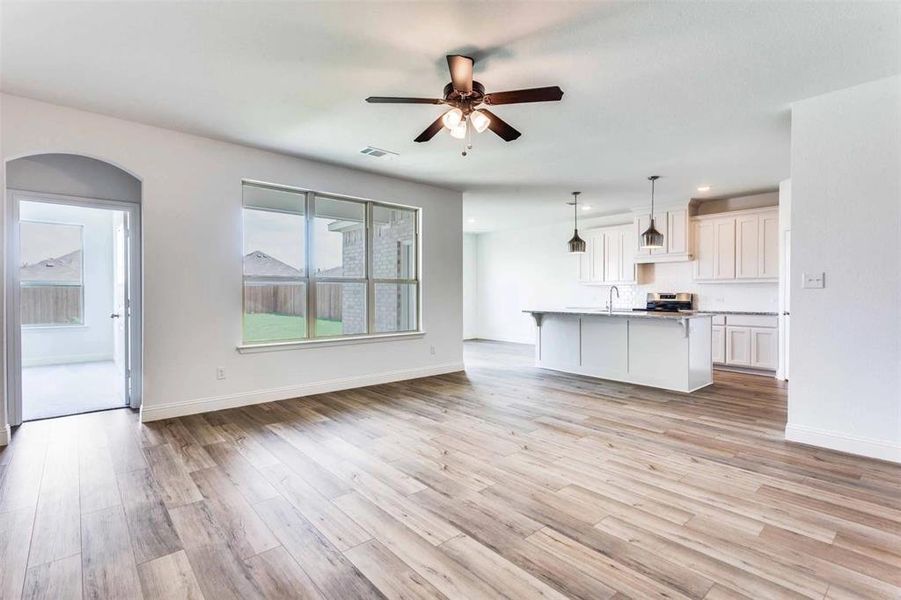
(73, 301)
(72, 304)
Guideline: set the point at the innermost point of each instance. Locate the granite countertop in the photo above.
(623, 314)
(742, 312)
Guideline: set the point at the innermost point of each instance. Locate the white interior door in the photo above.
(119, 316)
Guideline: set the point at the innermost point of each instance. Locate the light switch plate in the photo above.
(813, 281)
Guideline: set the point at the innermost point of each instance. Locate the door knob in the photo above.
(114, 316)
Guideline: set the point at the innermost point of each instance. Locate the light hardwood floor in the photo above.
(505, 481)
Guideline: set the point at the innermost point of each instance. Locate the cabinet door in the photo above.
(738, 346)
(718, 344)
(583, 264)
(677, 231)
(768, 246)
(724, 249)
(627, 259)
(764, 348)
(641, 223)
(747, 242)
(595, 241)
(613, 251)
(705, 250)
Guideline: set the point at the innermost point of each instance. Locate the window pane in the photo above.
(275, 303)
(274, 311)
(273, 244)
(395, 307)
(340, 309)
(50, 273)
(339, 238)
(393, 243)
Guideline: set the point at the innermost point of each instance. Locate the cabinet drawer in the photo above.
(752, 320)
(719, 319)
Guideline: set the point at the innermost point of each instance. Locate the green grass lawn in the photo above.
(262, 327)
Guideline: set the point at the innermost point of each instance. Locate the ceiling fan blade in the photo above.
(430, 131)
(390, 100)
(500, 127)
(543, 94)
(461, 72)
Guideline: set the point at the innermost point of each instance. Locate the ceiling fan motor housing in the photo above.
(467, 102)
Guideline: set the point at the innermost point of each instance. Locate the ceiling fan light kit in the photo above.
(464, 96)
(650, 237)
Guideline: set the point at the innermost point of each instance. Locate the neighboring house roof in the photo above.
(62, 269)
(259, 264)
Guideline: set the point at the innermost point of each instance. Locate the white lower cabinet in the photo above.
(764, 348)
(738, 346)
(745, 341)
(718, 344)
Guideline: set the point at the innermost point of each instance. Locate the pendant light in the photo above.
(576, 244)
(651, 238)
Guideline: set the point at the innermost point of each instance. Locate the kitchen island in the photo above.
(671, 351)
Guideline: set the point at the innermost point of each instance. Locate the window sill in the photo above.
(346, 341)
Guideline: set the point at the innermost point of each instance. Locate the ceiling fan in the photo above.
(465, 98)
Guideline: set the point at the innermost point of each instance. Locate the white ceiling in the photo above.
(696, 92)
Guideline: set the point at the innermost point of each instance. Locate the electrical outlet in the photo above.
(813, 281)
(432, 350)
(220, 372)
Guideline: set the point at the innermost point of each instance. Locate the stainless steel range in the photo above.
(668, 302)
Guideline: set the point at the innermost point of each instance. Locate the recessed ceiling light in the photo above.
(586, 207)
(471, 220)
(704, 188)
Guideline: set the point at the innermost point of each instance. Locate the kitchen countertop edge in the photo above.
(620, 314)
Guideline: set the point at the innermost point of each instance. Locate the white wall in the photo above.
(4, 427)
(191, 215)
(470, 285)
(845, 388)
(93, 340)
(530, 268)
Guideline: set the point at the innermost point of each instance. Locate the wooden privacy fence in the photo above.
(291, 299)
(51, 305)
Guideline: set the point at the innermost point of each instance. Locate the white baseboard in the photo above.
(202, 405)
(5, 435)
(834, 440)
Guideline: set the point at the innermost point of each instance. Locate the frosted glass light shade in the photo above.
(459, 130)
(479, 120)
(452, 118)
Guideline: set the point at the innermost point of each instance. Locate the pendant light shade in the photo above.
(650, 237)
(576, 244)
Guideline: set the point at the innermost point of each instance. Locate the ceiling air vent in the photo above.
(377, 152)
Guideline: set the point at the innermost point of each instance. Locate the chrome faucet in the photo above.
(610, 298)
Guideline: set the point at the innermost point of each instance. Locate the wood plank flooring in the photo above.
(503, 482)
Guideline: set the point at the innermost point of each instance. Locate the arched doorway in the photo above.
(73, 286)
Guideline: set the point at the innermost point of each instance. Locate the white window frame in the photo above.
(311, 278)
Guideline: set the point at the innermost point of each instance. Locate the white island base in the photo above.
(672, 352)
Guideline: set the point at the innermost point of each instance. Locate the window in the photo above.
(318, 267)
(51, 273)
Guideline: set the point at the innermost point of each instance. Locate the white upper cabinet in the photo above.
(610, 256)
(747, 243)
(677, 231)
(741, 246)
(705, 249)
(674, 226)
(768, 246)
